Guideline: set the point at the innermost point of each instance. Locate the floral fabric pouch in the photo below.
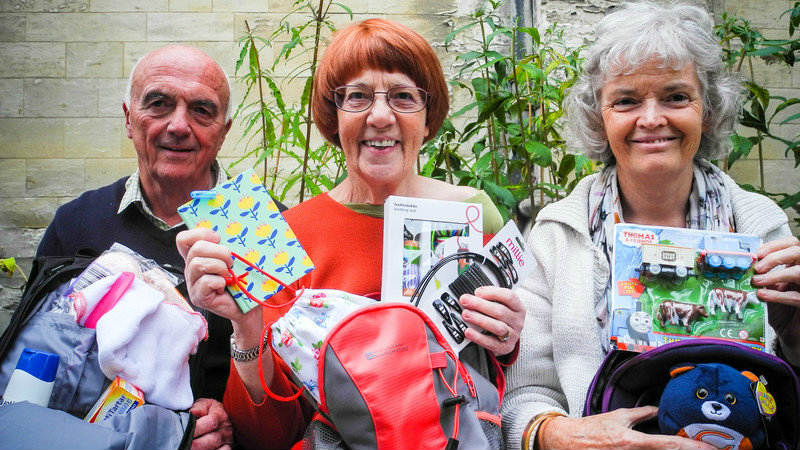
(297, 336)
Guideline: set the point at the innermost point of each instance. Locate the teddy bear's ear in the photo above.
(679, 369)
(750, 376)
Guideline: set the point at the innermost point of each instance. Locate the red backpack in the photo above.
(400, 387)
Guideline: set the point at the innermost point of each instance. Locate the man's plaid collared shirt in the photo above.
(134, 197)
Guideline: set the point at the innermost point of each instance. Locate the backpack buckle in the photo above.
(457, 400)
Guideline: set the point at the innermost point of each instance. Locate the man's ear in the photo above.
(127, 120)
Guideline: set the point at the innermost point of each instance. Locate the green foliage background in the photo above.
(507, 139)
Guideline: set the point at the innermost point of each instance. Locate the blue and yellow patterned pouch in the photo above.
(250, 224)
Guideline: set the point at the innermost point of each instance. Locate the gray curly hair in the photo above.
(636, 34)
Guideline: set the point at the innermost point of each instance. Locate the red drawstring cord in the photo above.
(238, 281)
(266, 334)
(460, 370)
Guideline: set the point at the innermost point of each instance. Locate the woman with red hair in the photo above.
(379, 94)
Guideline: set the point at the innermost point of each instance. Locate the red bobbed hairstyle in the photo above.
(377, 44)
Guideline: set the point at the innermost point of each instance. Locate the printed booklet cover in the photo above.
(671, 284)
(417, 233)
(250, 224)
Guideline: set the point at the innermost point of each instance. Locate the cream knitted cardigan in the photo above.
(560, 347)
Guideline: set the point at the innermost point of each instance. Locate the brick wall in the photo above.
(64, 67)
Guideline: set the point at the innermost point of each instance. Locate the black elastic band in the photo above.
(476, 257)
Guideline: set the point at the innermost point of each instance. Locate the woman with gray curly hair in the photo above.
(655, 104)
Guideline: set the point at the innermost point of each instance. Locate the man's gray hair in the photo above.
(127, 98)
(635, 35)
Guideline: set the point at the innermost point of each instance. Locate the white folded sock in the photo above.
(148, 342)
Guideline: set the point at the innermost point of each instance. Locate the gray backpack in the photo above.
(79, 381)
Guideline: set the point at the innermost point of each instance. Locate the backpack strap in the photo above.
(47, 272)
(499, 375)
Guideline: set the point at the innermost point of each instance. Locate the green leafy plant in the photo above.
(278, 130)
(507, 139)
(511, 145)
(741, 45)
(9, 266)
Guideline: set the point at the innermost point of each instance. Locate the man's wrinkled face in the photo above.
(176, 116)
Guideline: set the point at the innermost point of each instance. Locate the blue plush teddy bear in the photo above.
(713, 403)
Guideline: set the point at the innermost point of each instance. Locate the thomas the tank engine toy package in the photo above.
(671, 284)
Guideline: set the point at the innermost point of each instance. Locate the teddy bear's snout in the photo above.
(715, 411)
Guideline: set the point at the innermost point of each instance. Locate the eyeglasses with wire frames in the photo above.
(402, 99)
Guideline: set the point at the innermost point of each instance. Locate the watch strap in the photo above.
(246, 354)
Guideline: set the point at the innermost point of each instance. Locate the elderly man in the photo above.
(177, 113)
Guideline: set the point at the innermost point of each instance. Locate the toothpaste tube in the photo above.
(119, 398)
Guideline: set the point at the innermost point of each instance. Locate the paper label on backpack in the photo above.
(766, 403)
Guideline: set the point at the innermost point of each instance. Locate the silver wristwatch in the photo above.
(248, 354)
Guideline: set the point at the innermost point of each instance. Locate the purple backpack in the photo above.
(628, 379)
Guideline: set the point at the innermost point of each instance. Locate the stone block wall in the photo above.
(64, 67)
(780, 175)
(63, 75)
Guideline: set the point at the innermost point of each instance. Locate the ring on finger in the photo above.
(505, 337)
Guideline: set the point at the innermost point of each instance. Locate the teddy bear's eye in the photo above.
(730, 398)
(701, 393)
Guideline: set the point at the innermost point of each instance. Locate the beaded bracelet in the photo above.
(529, 435)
